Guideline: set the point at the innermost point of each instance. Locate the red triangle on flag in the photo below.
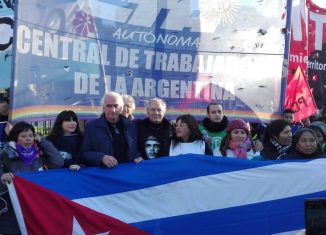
(46, 212)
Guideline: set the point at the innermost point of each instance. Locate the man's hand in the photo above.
(258, 145)
(109, 161)
(7, 178)
(138, 160)
(208, 140)
(8, 128)
(74, 167)
(38, 138)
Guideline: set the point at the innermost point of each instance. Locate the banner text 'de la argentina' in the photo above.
(40, 43)
(70, 54)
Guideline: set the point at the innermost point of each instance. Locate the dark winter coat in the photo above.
(98, 141)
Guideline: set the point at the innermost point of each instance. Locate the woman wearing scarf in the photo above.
(24, 153)
(305, 145)
(237, 143)
(277, 140)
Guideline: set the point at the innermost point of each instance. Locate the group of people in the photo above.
(286, 140)
(116, 137)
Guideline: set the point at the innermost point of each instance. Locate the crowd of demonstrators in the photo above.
(25, 152)
(115, 137)
(112, 138)
(155, 131)
(67, 137)
(305, 145)
(187, 138)
(288, 116)
(238, 142)
(129, 107)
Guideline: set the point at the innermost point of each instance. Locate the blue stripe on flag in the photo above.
(256, 219)
(127, 177)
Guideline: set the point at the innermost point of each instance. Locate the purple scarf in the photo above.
(27, 155)
(240, 149)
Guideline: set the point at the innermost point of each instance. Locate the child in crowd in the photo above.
(187, 138)
(237, 143)
(67, 137)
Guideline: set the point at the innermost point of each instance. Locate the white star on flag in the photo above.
(77, 229)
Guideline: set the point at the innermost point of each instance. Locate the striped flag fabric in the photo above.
(186, 194)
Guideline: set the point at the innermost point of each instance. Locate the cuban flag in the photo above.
(188, 194)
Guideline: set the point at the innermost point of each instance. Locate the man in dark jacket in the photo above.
(112, 138)
(155, 126)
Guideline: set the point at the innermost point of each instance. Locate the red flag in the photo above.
(316, 27)
(299, 97)
(45, 212)
(298, 39)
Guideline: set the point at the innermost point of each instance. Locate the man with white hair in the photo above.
(112, 138)
(154, 126)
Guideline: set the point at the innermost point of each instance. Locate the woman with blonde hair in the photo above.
(129, 106)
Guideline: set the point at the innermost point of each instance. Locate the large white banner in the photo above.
(190, 53)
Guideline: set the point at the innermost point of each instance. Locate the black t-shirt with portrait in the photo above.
(154, 139)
